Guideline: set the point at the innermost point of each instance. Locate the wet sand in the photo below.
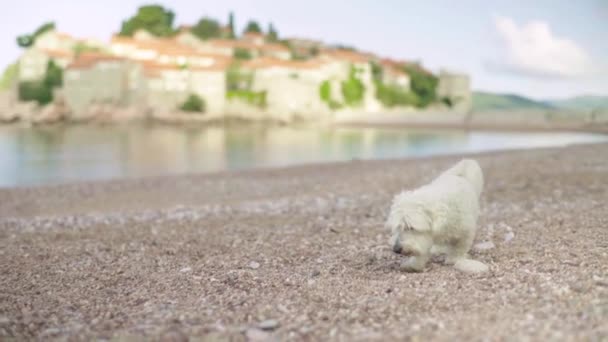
(301, 254)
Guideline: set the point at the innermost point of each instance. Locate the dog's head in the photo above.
(406, 214)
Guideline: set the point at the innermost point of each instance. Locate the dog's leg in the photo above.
(418, 246)
(458, 256)
(458, 249)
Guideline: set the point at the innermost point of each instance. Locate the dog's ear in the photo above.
(420, 220)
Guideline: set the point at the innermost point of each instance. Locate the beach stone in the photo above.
(269, 324)
(257, 335)
(484, 246)
(254, 265)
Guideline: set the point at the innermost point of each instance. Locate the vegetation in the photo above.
(447, 101)
(194, 104)
(242, 54)
(253, 26)
(391, 95)
(54, 75)
(325, 91)
(353, 89)
(27, 40)
(238, 86)
(238, 80)
(257, 99)
(42, 91)
(207, 28)
(325, 94)
(153, 18)
(231, 34)
(377, 74)
(272, 35)
(9, 76)
(423, 84)
(35, 91)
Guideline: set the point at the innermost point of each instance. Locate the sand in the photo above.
(301, 254)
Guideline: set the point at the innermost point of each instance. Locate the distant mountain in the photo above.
(492, 101)
(587, 102)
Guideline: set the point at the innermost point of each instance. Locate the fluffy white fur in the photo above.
(439, 218)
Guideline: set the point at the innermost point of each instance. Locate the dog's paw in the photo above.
(470, 266)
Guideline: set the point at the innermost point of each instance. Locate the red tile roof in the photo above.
(88, 59)
(347, 55)
(269, 62)
(154, 69)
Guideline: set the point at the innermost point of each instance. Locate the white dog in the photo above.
(439, 218)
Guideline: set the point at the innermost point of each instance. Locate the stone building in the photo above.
(95, 78)
(457, 88)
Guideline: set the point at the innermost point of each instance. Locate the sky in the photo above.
(544, 49)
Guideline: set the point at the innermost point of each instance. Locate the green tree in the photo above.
(242, 54)
(193, 103)
(42, 91)
(9, 76)
(272, 34)
(325, 91)
(391, 95)
(207, 28)
(231, 25)
(353, 89)
(54, 75)
(253, 26)
(153, 18)
(424, 84)
(325, 94)
(27, 40)
(35, 91)
(377, 73)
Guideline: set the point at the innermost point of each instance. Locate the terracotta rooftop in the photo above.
(155, 69)
(347, 55)
(229, 43)
(88, 59)
(269, 62)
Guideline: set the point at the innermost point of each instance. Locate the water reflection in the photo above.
(68, 153)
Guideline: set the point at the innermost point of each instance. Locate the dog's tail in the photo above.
(470, 170)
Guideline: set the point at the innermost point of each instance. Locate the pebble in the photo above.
(571, 262)
(269, 324)
(509, 236)
(254, 335)
(254, 265)
(315, 273)
(185, 269)
(484, 246)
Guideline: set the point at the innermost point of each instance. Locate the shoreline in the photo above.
(501, 127)
(214, 256)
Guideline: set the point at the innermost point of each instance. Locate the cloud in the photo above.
(533, 50)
